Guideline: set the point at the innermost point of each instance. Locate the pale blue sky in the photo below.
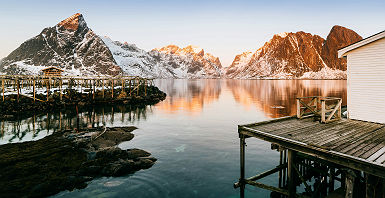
(223, 28)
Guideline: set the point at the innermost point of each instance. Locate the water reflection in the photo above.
(39, 126)
(275, 98)
(188, 95)
(272, 98)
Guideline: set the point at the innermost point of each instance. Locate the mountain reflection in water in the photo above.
(272, 98)
(275, 98)
(41, 125)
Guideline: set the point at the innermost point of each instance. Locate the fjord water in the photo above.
(193, 134)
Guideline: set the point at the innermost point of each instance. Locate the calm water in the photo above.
(193, 134)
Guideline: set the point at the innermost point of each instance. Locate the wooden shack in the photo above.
(52, 71)
(366, 78)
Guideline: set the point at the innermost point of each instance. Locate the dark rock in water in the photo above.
(67, 160)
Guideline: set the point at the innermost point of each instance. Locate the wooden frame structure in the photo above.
(328, 109)
(15, 84)
(341, 151)
(52, 71)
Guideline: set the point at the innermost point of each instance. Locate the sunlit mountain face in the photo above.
(274, 98)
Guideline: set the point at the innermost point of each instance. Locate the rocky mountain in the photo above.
(70, 45)
(338, 37)
(73, 46)
(296, 55)
(166, 62)
(188, 62)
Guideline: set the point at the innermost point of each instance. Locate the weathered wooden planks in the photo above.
(342, 140)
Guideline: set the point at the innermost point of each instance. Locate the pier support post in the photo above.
(145, 87)
(349, 184)
(93, 91)
(103, 89)
(34, 90)
(2, 87)
(331, 179)
(18, 89)
(298, 109)
(242, 164)
(112, 93)
(291, 173)
(61, 95)
(323, 113)
(129, 87)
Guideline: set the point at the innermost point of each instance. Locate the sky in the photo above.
(222, 28)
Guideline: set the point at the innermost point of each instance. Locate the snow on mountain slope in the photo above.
(135, 61)
(74, 47)
(166, 62)
(188, 62)
(296, 55)
(70, 45)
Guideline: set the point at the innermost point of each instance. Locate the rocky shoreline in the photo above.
(13, 109)
(67, 160)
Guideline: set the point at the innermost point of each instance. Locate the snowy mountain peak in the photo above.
(296, 55)
(283, 34)
(73, 22)
(192, 49)
(70, 45)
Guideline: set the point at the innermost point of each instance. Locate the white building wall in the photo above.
(366, 82)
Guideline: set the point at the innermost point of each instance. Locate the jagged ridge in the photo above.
(296, 55)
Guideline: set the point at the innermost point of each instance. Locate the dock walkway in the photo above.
(353, 144)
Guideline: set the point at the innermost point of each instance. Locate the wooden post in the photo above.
(331, 179)
(61, 95)
(298, 108)
(242, 164)
(2, 85)
(323, 111)
(93, 92)
(18, 89)
(34, 90)
(291, 173)
(284, 182)
(103, 88)
(339, 109)
(350, 178)
(371, 182)
(145, 87)
(316, 104)
(47, 84)
(138, 86)
(60, 120)
(280, 171)
(129, 87)
(112, 93)
(122, 85)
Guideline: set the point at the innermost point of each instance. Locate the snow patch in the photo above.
(326, 73)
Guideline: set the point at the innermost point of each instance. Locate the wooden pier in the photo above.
(318, 155)
(29, 86)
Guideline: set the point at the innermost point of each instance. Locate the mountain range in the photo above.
(296, 55)
(74, 47)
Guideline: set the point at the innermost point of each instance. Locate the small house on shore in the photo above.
(366, 78)
(52, 71)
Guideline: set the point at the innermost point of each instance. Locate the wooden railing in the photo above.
(328, 109)
(15, 84)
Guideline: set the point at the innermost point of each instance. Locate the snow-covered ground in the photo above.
(325, 73)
